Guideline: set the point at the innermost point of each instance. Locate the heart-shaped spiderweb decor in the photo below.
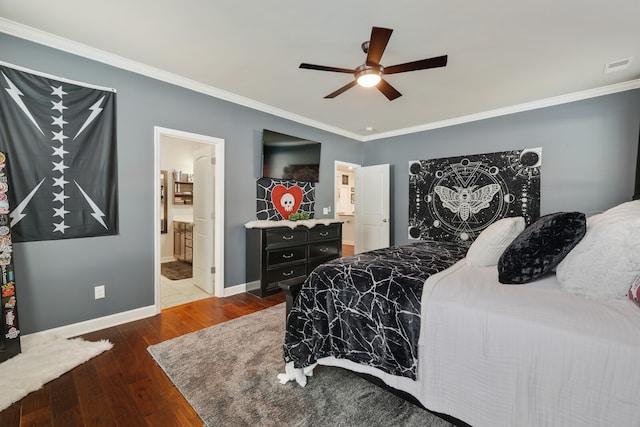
(286, 200)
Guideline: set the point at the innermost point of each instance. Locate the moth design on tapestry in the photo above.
(455, 198)
(466, 201)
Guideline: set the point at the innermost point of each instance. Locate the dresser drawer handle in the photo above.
(290, 273)
(288, 237)
(324, 233)
(324, 249)
(287, 256)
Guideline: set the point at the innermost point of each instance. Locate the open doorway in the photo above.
(179, 211)
(344, 202)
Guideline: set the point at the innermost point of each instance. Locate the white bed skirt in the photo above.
(521, 355)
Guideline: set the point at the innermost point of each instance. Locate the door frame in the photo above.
(337, 163)
(159, 133)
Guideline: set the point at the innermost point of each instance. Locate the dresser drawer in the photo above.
(326, 249)
(277, 254)
(281, 256)
(277, 274)
(324, 232)
(286, 237)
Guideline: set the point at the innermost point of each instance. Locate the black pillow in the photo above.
(540, 247)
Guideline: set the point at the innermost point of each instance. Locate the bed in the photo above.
(528, 326)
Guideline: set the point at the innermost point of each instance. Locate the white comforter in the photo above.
(522, 355)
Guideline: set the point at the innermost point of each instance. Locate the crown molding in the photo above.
(528, 106)
(59, 43)
(37, 36)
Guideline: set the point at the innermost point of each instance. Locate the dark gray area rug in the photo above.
(228, 373)
(176, 270)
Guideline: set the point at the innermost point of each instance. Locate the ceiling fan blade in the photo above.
(377, 44)
(423, 64)
(326, 68)
(389, 91)
(342, 89)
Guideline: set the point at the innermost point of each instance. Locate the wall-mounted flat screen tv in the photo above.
(290, 157)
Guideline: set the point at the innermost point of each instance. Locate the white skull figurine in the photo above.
(287, 202)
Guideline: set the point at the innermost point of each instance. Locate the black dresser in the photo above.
(278, 253)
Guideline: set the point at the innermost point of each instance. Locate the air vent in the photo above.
(617, 65)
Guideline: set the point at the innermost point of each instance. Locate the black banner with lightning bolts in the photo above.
(60, 142)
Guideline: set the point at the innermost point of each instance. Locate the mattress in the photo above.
(521, 355)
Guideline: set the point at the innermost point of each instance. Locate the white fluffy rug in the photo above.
(44, 357)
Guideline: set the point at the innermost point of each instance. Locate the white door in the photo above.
(203, 217)
(372, 208)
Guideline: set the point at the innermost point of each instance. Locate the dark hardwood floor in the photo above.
(124, 386)
(347, 250)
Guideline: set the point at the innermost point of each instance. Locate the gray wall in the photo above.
(589, 151)
(55, 279)
(589, 154)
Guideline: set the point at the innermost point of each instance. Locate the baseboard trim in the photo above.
(235, 290)
(81, 328)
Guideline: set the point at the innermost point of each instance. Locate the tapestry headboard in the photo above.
(455, 198)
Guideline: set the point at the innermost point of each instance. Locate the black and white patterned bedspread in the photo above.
(366, 307)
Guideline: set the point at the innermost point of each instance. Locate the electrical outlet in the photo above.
(99, 291)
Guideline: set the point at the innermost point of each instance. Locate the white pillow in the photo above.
(606, 262)
(493, 240)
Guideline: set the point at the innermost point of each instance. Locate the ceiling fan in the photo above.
(371, 72)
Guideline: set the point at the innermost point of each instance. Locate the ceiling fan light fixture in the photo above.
(368, 77)
(370, 73)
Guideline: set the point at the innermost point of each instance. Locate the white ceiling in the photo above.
(504, 55)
